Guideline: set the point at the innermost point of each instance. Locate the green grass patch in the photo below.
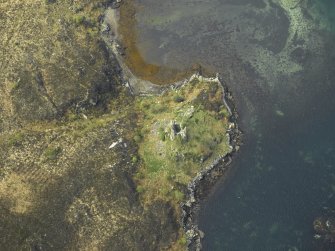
(181, 133)
(153, 164)
(52, 153)
(16, 139)
(162, 134)
(78, 19)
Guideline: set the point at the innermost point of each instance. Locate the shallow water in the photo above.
(278, 59)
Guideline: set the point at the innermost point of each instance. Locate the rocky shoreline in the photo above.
(205, 179)
(202, 183)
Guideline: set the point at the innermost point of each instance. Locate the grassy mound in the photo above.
(181, 132)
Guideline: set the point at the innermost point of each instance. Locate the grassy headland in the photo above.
(180, 133)
(84, 165)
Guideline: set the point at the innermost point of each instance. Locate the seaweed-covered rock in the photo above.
(324, 227)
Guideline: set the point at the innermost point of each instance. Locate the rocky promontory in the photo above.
(91, 157)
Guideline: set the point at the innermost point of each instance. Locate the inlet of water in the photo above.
(278, 59)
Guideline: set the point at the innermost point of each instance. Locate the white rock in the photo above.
(113, 144)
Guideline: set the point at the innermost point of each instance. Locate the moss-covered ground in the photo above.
(180, 133)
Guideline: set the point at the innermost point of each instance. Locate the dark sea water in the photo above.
(278, 59)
